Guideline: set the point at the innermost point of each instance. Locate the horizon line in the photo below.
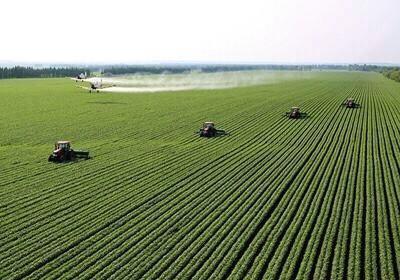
(189, 62)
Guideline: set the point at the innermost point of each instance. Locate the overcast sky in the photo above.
(255, 31)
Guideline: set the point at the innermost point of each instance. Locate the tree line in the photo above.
(392, 73)
(210, 68)
(54, 72)
(49, 72)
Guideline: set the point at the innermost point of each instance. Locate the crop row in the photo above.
(278, 198)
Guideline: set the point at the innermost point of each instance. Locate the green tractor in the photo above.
(63, 153)
(208, 130)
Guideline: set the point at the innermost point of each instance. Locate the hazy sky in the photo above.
(290, 31)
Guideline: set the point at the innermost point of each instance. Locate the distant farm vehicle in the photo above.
(80, 77)
(350, 103)
(295, 113)
(208, 130)
(63, 153)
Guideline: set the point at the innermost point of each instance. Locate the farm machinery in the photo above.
(295, 113)
(208, 130)
(350, 103)
(63, 153)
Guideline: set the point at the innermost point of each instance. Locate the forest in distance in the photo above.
(58, 71)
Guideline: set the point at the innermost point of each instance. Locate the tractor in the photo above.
(208, 130)
(295, 113)
(350, 103)
(63, 153)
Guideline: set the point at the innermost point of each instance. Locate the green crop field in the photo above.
(277, 198)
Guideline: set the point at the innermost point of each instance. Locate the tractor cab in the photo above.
(63, 152)
(295, 113)
(63, 145)
(209, 130)
(208, 125)
(350, 103)
(295, 110)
